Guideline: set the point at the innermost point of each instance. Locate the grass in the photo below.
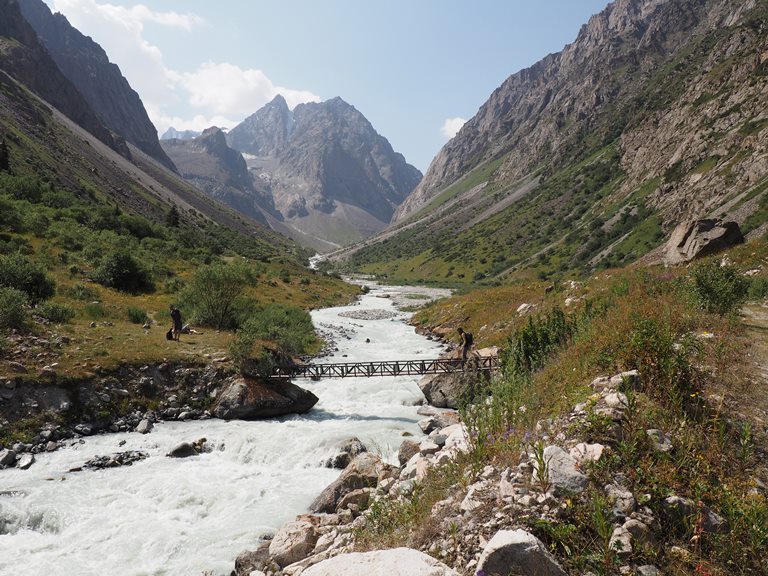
(643, 319)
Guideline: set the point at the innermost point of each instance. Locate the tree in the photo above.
(16, 271)
(5, 158)
(172, 217)
(122, 271)
(214, 294)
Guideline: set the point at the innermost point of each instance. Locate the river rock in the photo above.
(115, 460)
(517, 551)
(7, 458)
(293, 542)
(363, 472)
(347, 451)
(407, 449)
(252, 399)
(450, 389)
(393, 562)
(144, 427)
(697, 238)
(186, 449)
(25, 462)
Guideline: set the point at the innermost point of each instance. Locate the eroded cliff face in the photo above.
(99, 81)
(331, 175)
(681, 84)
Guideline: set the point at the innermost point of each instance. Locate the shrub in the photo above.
(287, 326)
(94, 311)
(214, 294)
(17, 271)
(123, 272)
(56, 313)
(12, 308)
(137, 315)
(719, 289)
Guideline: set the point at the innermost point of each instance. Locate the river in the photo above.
(166, 516)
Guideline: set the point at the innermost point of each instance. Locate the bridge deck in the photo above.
(386, 368)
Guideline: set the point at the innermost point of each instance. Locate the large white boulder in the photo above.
(394, 562)
(562, 471)
(518, 552)
(293, 542)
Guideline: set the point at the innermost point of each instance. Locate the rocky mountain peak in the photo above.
(264, 132)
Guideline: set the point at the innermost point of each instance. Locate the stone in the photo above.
(407, 449)
(7, 458)
(648, 570)
(584, 452)
(251, 399)
(347, 450)
(517, 551)
(392, 562)
(359, 498)
(363, 472)
(562, 471)
(25, 461)
(697, 238)
(639, 531)
(293, 542)
(621, 498)
(144, 427)
(253, 560)
(661, 442)
(621, 541)
(448, 390)
(428, 448)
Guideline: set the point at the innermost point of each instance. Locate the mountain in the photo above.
(590, 157)
(333, 178)
(172, 133)
(99, 81)
(212, 166)
(23, 58)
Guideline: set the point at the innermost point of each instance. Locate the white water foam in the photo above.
(165, 516)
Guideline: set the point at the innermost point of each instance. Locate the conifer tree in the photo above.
(5, 161)
(172, 218)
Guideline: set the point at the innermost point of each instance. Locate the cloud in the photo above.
(228, 89)
(451, 126)
(214, 93)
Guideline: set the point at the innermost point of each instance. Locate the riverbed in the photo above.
(165, 516)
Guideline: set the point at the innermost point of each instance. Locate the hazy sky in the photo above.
(417, 69)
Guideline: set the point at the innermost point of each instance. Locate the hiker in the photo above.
(466, 344)
(176, 317)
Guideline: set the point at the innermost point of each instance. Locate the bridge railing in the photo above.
(386, 368)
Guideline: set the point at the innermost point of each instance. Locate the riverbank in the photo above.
(249, 478)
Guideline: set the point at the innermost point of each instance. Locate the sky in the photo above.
(416, 69)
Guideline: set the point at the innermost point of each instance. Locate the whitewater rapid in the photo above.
(166, 516)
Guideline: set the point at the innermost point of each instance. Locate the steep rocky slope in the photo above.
(207, 162)
(332, 176)
(654, 114)
(100, 82)
(25, 59)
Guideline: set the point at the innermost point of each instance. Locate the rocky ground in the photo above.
(484, 526)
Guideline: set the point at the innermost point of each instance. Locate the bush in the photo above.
(94, 311)
(214, 294)
(137, 315)
(719, 289)
(121, 271)
(82, 292)
(287, 326)
(12, 308)
(16, 271)
(56, 313)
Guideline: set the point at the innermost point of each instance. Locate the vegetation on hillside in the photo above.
(84, 283)
(685, 339)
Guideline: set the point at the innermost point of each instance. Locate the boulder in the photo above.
(407, 449)
(183, 450)
(144, 427)
(293, 542)
(517, 552)
(450, 389)
(253, 560)
(563, 471)
(363, 472)
(393, 562)
(7, 458)
(25, 462)
(347, 450)
(697, 238)
(251, 399)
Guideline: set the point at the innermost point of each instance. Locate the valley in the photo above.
(599, 222)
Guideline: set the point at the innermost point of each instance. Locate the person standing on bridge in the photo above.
(466, 343)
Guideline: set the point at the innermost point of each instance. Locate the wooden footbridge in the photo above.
(387, 368)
